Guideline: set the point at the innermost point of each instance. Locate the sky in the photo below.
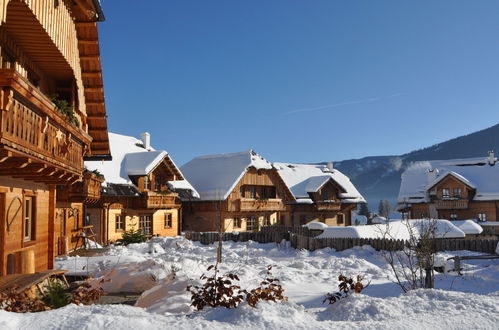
(300, 80)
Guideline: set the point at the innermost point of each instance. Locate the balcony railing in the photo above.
(153, 200)
(271, 204)
(458, 204)
(31, 125)
(328, 206)
(88, 190)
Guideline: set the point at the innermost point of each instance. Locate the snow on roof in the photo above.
(303, 179)
(468, 226)
(215, 176)
(130, 158)
(476, 172)
(395, 230)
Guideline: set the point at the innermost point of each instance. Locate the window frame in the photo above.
(122, 222)
(142, 221)
(444, 194)
(29, 223)
(168, 219)
(237, 222)
(482, 217)
(146, 183)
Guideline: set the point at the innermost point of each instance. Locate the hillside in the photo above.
(378, 177)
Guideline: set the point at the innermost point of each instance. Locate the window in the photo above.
(147, 183)
(168, 220)
(157, 184)
(453, 216)
(457, 192)
(145, 224)
(324, 195)
(266, 220)
(251, 192)
(251, 223)
(445, 193)
(120, 223)
(268, 192)
(482, 217)
(340, 218)
(29, 221)
(237, 223)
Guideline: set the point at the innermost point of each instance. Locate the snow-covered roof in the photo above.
(303, 179)
(215, 176)
(395, 230)
(130, 158)
(475, 172)
(468, 226)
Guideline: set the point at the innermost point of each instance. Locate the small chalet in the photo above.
(52, 117)
(322, 194)
(141, 191)
(237, 191)
(457, 189)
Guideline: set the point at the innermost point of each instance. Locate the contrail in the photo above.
(336, 105)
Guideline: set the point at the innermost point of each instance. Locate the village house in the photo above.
(457, 189)
(141, 191)
(52, 116)
(321, 192)
(238, 191)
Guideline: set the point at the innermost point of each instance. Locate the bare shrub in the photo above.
(269, 290)
(346, 286)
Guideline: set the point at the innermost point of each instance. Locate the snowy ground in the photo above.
(470, 301)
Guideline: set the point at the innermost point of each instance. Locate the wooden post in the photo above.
(26, 261)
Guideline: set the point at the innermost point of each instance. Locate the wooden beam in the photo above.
(91, 74)
(94, 89)
(15, 163)
(4, 155)
(88, 42)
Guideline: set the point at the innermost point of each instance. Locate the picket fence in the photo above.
(304, 238)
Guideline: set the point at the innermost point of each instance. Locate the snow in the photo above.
(418, 178)
(215, 176)
(468, 226)
(395, 229)
(317, 226)
(303, 179)
(141, 163)
(458, 302)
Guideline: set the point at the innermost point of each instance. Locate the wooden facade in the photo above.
(147, 205)
(453, 199)
(259, 198)
(49, 121)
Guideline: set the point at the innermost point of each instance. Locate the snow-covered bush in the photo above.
(346, 285)
(269, 290)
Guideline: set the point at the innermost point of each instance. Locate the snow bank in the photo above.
(468, 226)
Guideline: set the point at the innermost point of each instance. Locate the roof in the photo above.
(477, 173)
(303, 179)
(215, 176)
(129, 158)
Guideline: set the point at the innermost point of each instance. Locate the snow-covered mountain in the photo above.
(378, 177)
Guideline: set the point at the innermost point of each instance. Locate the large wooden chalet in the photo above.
(141, 191)
(52, 115)
(322, 194)
(239, 191)
(451, 189)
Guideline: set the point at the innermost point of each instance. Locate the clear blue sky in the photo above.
(300, 80)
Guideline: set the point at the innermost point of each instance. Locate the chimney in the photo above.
(146, 140)
(330, 166)
(492, 159)
(432, 175)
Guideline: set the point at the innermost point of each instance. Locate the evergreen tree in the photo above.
(364, 210)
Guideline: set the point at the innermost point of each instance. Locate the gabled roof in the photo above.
(215, 176)
(418, 178)
(303, 179)
(131, 159)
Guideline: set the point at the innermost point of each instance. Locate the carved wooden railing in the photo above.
(152, 200)
(30, 123)
(442, 204)
(88, 190)
(272, 204)
(328, 206)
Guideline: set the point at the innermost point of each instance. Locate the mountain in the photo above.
(378, 177)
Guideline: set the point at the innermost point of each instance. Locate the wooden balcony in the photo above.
(271, 204)
(449, 204)
(154, 200)
(328, 205)
(36, 141)
(86, 191)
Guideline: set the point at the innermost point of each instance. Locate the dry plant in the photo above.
(270, 290)
(346, 286)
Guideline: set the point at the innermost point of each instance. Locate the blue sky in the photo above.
(300, 80)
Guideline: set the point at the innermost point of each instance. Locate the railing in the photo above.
(35, 127)
(328, 206)
(442, 204)
(88, 190)
(152, 200)
(272, 204)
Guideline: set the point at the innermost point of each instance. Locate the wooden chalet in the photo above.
(239, 191)
(52, 115)
(452, 189)
(141, 191)
(322, 194)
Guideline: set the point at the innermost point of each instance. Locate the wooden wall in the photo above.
(451, 183)
(13, 192)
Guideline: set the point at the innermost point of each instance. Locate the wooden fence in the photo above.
(304, 238)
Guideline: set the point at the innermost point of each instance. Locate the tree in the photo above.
(363, 210)
(384, 208)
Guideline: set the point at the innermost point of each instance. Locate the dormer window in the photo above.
(457, 192)
(446, 193)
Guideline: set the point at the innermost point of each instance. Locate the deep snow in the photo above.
(459, 302)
